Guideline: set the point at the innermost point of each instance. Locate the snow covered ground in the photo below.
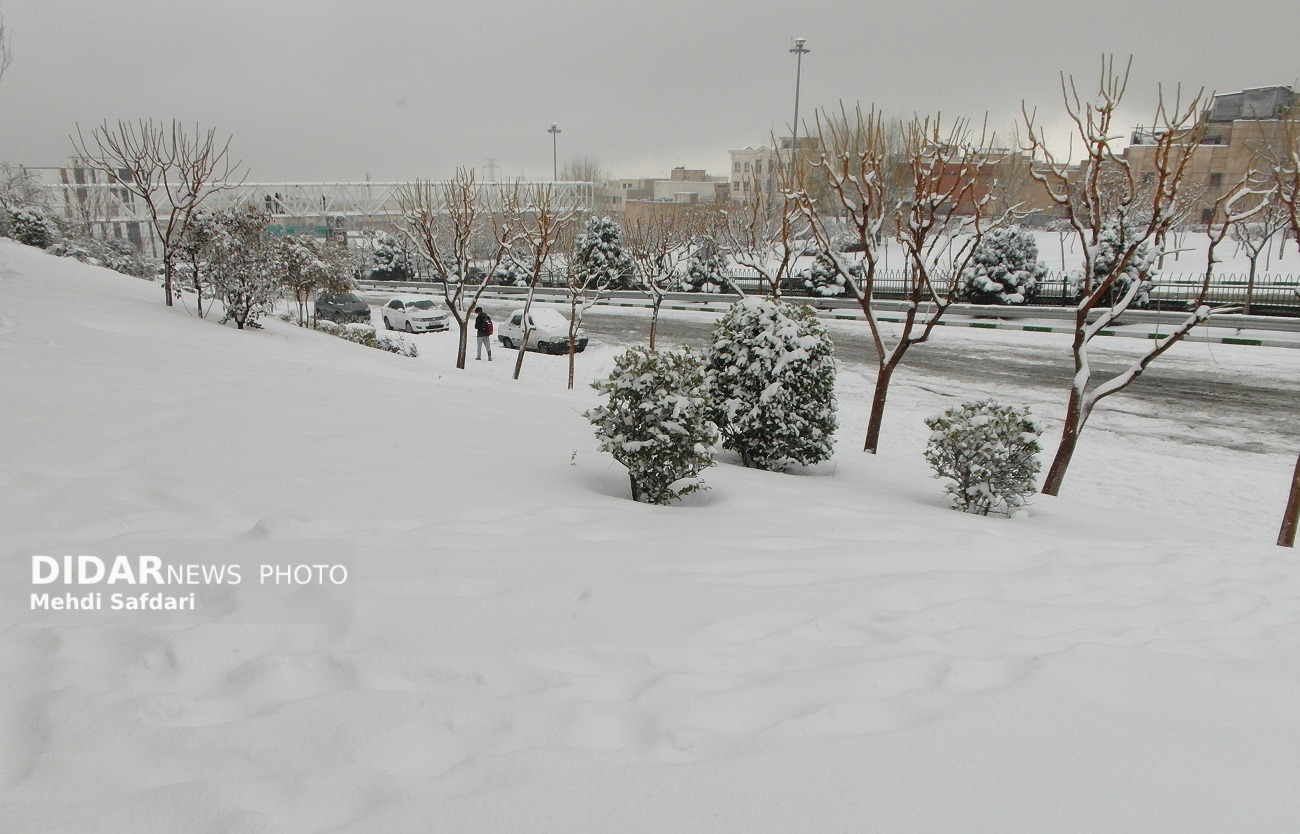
(530, 651)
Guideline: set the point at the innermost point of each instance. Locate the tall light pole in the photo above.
(555, 157)
(799, 50)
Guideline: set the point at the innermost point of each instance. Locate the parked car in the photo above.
(342, 307)
(415, 314)
(548, 332)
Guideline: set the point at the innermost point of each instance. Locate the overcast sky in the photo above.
(397, 89)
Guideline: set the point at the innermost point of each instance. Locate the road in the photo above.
(1265, 406)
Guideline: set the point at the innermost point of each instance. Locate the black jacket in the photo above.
(483, 324)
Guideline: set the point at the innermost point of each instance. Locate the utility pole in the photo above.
(555, 158)
(799, 50)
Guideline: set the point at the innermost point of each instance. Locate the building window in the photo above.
(1207, 215)
(735, 166)
(758, 166)
(1216, 180)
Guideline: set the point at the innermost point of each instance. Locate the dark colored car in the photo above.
(342, 307)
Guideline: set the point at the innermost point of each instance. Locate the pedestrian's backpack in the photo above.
(491, 329)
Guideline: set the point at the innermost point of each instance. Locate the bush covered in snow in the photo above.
(772, 383)
(655, 421)
(117, 254)
(365, 334)
(990, 453)
(823, 279)
(30, 225)
(1004, 269)
(706, 270)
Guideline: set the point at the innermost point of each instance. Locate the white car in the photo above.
(548, 332)
(415, 314)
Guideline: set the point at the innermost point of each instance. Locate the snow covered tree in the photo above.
(1004, 269)
(989, 452)
(389, 260)
(242, 266)
(597, 264)
(772, 383)
(761, 234)
(453, 227)
(655, 421)
(1284, 171)
(919, 183)
(1252, 237)
(1112, 243)
(532, 226)
(598, 256)
(171, 172)
(657, 243)
(306, 266)
(706, 271)
(1121, 223)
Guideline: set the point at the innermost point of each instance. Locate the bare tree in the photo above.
(171, 170)
(583, 169)
(1285, 169)
(1252, 235)
(1102, 195)
(927, 196)
(6, 48)
(659, 244)
(537, 219)
(761, 234)
(453, 228)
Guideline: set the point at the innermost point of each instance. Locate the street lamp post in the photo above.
(799, 50)
(555, 157)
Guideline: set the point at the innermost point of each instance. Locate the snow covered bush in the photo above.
(706, 270)
(365, 334)
(990, 453)
(655, 421)
(32, 226)
(771, 374)
(117, 254)
(1004, 269)
(823, 279)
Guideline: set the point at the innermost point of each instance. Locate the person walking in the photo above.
(483, 327)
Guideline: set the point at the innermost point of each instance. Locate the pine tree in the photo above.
(656, 422)
(772, 382)
(706, 271)
(598, 256)
(1004, 270)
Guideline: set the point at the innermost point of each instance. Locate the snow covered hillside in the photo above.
(531, 651)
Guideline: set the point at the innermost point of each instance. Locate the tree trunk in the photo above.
(1250, 286)
(462, 349)
(1069, 440)
(883, 376)
(573, 332)
(1286, 536)
(654, 319)
(167, 279)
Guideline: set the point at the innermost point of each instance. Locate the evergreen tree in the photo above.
(772, 382)
(1004, 269)
(706, 270)
(598, 256)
